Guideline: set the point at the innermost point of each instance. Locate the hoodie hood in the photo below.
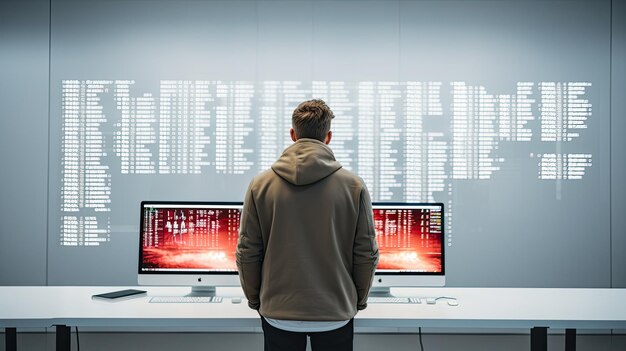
(305, 162)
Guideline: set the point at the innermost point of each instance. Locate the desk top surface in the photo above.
(478, 308)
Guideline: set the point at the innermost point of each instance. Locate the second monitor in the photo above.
(410, 238)
(189, 244)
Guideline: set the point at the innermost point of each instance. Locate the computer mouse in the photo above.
(453, 303)
(236, 300)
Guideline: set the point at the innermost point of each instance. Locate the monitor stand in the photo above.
(203, 291)
(380, 291)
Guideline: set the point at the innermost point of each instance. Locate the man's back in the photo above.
(307, 250)
(309, 213)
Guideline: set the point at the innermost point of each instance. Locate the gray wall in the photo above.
(618, 146)
(83, 35)
(24, 33)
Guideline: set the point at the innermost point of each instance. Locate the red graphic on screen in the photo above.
(193, 239)
(409, 239)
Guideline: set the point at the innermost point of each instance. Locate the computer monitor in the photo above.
(410, 238)
(189, 244)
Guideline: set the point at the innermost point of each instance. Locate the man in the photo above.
(307, 252)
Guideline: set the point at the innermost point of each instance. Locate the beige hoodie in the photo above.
(307, 249)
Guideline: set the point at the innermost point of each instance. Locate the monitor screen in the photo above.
(188, 237)
(410, 238)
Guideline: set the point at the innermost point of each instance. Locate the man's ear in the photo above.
(328, 137)
(292, 132)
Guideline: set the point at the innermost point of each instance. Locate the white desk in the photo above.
(536, 309)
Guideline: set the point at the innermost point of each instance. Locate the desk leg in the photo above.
(63, 338)
(539, 339)
(570, 339)
(10, 339)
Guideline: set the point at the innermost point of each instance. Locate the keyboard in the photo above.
(374, 299)
(186, 299)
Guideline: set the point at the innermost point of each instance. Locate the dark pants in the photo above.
(333, 340)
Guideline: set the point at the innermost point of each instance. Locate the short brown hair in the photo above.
(311, 119)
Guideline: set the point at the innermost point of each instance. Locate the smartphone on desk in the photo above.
(119, 295)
